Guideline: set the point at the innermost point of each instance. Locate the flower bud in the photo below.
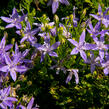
(56, 19)
(61, 29)
(13, 41)
(71, 17)
(42, 28)
(29, 83)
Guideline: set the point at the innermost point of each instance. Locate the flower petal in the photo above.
(13, 75)
(69, 77)
(3, 41)
(21, 69)
(99, 10)
(23, 39)
(88, 46)
(74, 51)
(82, 37)
(73, 42)
(7, 59)
(6, 19)
(98, 25)
(2, 106)
(106, 72)
(7, 47)
(95, 16)
(83, 55)
(55, 6)
(101, 53)
(90, 26)
(64, 2)
(42, 56)
(49, 3)
(92, 68)
(30, 103)
(11, 99)
(55, 45)
(14, 13)
(76, 75)
(53, 54)
(10, 25)
(18, 26)
(4, 68)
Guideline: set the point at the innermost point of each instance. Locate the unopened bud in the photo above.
(61, 29)
(13, 41)
(71, 17)
(84, 12)
(29, 83)
(56, 18)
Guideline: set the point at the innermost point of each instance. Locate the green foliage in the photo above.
(27, 5)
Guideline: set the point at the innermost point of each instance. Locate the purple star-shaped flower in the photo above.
(29, 34)
(101, 46)
(94, 31)
(47, 49)
(55, 4)
(102, 16)
(71, 73)
(93, 61)
(12, 66)
(22, 55)
(4, 99)
(46, 36)
(65, 32)
(14, 20)
(80, 47)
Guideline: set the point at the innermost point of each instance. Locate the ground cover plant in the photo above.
(54, 54)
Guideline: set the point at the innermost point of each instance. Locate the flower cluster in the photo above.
(51, 37)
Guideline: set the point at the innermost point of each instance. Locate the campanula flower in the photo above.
(29, 34)
(12, 66)
(102, 16)
(14, 20)
(93, 61)
(47, 49)
(65, 33)
(5, 100)
(80, 47)
(101, 46)
(94, 31)
(71, 73)
(22, 55)
(55, 4)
